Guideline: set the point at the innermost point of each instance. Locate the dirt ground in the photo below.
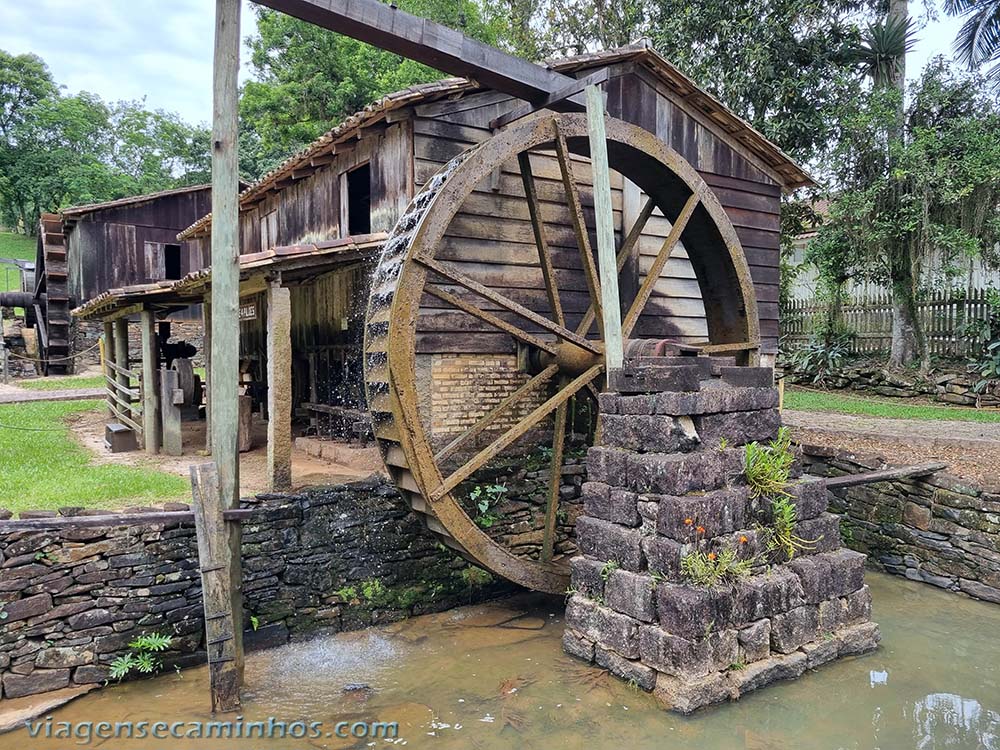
(307, 470)
(973, 456)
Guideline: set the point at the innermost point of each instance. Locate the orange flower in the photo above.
(711, 555)
(743, 540)
(700, 529)
(688, 521)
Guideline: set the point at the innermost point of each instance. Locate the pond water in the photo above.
(495, 676)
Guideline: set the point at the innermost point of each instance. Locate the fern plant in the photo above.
(142, 656)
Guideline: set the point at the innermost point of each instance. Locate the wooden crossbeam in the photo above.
(435, 45)
(886, 475)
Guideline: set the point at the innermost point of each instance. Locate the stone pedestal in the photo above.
(668, 481)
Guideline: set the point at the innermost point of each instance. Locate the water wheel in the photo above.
(559, 344)
(51, 303)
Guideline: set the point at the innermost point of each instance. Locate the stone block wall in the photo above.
(335, 558)
(668, 482)
(942, 529)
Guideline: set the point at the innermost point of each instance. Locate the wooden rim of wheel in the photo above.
(572, 358)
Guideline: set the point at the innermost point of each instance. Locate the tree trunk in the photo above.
(908, 344)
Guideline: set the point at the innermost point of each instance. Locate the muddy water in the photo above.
(495, 677)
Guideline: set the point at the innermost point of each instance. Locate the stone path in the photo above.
(917, 431)
(10, 394)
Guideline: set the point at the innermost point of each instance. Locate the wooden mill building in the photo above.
(310, 231)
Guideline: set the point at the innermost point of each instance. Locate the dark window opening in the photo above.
(359, 200)
(172, 261)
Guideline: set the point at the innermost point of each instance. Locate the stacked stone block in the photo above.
(668, 480)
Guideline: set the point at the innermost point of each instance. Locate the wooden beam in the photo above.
(107, 358)
(170, 414)
(441, 48)
(571, 89)
(225, 250)
(121, 360)
(150, 387)
(279, 387)
(219, 564)
(886, 475)
(118, 520)
(614, 348)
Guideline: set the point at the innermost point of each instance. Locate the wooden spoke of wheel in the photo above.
(579, 223)
(472, 285)
(502, 442)
(541, 378)
(653, 275)
(544, 256)
(490, 318)
(635, 233)
(555, 481)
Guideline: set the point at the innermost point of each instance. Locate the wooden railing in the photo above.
(943, 314)
(124, 401)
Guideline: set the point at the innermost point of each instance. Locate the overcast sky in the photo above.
(130, 49)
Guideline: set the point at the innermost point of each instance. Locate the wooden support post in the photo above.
(224, 393)
(170, 413)
(279, 387)
(219, 562)
(607, 262)
(206, 350)
(122, 360)
(150, 388)
(108, 358)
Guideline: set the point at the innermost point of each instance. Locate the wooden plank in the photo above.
(433, 44)
(219, 563)
(544, 254)
(225, 251)
(886, 475)
(150, 387)
(118, 520)
(614, 345)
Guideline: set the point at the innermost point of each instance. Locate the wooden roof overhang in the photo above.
(295, 264)
(729, 125)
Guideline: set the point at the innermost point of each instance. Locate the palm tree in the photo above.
(978, 41)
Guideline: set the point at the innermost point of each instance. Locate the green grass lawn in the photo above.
(14, 246)
(43, 468)
(799, 400)
(58, 384)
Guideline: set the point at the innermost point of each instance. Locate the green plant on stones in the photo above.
(780, 535)
(710, 568)
(769, 466)
(608, 568)
(254, 622)
(373, 591)
(474, 577)
(141, 657)
(486, 498)
(347, 593)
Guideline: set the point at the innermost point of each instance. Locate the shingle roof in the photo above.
(734, 126)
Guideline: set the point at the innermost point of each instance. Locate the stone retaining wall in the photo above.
(336, 558)
(941, 529)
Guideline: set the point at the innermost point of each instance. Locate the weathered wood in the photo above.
(555, 481)
(244, 432)
(431, 43)
(279, 387)
(117, 520)
(150, 387)
(614, 348)
(107, 361)
(886, 475)
(225, 251)
(121, 365)
(170, 413)
(571, 89)
(206, 348)
(544, 255)
(219, 563)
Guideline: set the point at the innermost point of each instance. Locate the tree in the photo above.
(24, 81)
(306, 78)
(934, 192)
(786, 66)
(978, 41)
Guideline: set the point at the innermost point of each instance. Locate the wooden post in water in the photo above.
(215, 487)
(222, 602)
(607, 263)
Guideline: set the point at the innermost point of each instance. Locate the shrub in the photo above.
(768, 467)
(821, 356)
(712, 568)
